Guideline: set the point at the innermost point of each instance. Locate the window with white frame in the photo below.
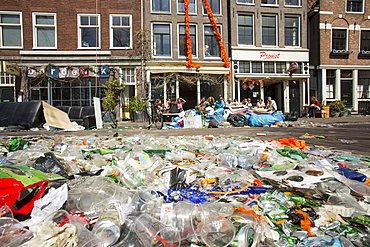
(355, 6)
(244, 1)
(161, 6)
(89, 31)
(270, 2)
(281, 67)
(44, 25)
(269, 67)
(161, 40)
(339, 39)
(245, 29)
(215, 6)
(128, 75)
(291, 30)
(365, 40)
(7, 79)
(256, 67)
(330, 83)
(181, 6)
(11, 30)
(363, 87)
(121, 31)
(244, 67)
(292, 3)
(183, 49)
(268, 30)
(211, 46)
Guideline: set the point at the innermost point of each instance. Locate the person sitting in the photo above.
(220, 103)
(314, 105)
(271, 104)
(261, 104)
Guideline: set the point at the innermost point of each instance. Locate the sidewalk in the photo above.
(354, 119)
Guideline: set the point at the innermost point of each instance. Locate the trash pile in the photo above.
(223, 118)
(181, 191)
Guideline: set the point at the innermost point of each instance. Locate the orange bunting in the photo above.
(217, 32)
(189, 50)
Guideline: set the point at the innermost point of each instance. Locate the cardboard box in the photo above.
(193, 122)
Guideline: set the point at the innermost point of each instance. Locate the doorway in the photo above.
(346, 92)
(294, 97)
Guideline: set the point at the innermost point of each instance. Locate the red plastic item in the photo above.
(342, 165)
(11, 189)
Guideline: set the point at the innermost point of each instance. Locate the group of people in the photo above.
(171, 105)
(176, 105)
(247, 102)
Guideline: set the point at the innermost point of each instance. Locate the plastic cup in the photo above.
(186, 217)
(151, 232)
(217, 232)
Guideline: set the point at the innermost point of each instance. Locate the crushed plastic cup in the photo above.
(92, 196)
(12, 232)
(217, 232)
(151, 231)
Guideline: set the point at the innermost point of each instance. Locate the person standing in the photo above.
(180, 103)
(271, 104)
(314, 105)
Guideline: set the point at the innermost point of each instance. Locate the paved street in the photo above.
(350, 128)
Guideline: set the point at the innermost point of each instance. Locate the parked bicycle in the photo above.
(153, 116)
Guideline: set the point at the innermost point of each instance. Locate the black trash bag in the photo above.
(213, 123)
(290, 116)
(177, 180)
(238, 120)
(50, 164)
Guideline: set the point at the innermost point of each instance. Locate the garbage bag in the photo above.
(261, 120)
(50, 164)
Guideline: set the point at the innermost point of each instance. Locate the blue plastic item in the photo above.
(261, 120)
(351, 174)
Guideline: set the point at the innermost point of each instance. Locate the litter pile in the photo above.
(181, 191)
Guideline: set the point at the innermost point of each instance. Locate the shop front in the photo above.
(189, 84)
(280, 74)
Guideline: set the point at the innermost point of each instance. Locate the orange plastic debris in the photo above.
(292, 142)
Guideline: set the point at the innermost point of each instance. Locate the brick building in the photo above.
(340, 51)
(270, 56)
(62, 52)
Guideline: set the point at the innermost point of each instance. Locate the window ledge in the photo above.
(341, 52)
(65, 52)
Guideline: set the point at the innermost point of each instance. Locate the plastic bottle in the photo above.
(351, 174)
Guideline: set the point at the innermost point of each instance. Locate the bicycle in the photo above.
(153, 116)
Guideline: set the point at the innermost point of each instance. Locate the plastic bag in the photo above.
(17, 197)
(16, 144)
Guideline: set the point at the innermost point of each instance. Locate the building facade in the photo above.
(189, 49)
(340, 51)
(62, 52)
(269, 51)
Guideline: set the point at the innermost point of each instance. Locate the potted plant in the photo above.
(136, 106)
(336, 107)
(112, 91)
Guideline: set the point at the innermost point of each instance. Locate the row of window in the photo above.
(45, 30)
(164, 6)
(258, 67)
(269, 30)
(363, 85)
(340, 40)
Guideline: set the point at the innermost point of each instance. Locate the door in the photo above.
(6, 94)
(346, 92)
(294, 97)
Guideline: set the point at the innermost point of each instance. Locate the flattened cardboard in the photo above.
(56, 118)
